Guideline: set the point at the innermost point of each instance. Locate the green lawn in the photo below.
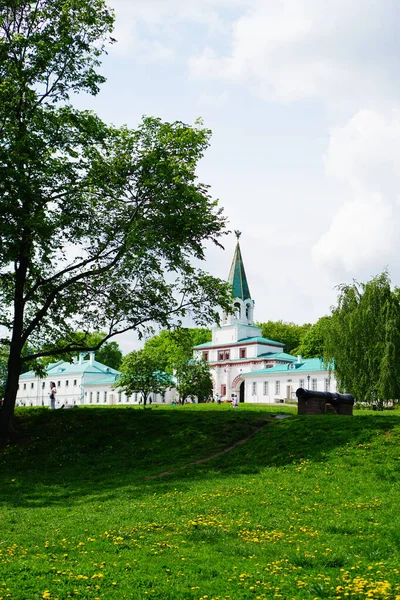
(308, 507)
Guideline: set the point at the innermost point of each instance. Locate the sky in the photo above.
(303, 99)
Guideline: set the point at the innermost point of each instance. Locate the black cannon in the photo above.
(316, 403)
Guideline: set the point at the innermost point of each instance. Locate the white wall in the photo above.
(32, 393)
(288, 384)
(36, 392)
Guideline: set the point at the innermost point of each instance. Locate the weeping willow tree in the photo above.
(363, 339)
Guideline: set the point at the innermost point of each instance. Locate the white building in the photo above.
(245, 364)
(83, 382)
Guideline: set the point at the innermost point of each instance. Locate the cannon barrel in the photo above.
(331, 397)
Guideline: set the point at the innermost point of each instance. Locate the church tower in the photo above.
(243, 304)
(240, 323)
(237, 345)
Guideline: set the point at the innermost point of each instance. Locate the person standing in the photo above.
(53, 392)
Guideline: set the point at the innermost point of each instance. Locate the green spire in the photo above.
(237, 274)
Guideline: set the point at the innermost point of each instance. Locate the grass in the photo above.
(308, 507)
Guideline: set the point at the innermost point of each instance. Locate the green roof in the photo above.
(257, 339)
(65, 368)
(307, 365)
(278, 356)
(237, 276)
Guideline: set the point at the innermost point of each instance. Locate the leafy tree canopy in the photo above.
(193, 379)
(172, 347)
(141, 373)
(99, 224)
(312, 344)
(289, 334)
(363, 339)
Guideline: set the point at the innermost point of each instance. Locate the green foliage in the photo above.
(363, 339)
(289, 334)
(100, 225)
(175, 346)
(107, 353)
(141, 373)
(313, 341)
(110, 354)
(193, 380)
(306, 508)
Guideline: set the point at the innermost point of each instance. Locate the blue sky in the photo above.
(303, 100)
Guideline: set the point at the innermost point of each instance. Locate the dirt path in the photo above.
(208, 458)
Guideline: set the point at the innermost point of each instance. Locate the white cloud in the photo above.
(291, 50)
(325, 61)
(162, 20)
(363, 237)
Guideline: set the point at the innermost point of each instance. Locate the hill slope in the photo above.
(306, 508)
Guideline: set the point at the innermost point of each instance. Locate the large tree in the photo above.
(99, 225)
(141, 373)
(175, 347)
(363, 340)
(193, 380)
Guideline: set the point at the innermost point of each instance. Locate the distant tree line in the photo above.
(306, 339)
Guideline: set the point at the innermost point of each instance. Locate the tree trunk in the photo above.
(7, 412)
(16, 345)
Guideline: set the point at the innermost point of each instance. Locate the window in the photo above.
(205, 356)
(128, 398)
(301, 383)
(254, 388)
(314, 385)
(327, 385)
(242, 353)
(58, 383)
(265, 388)
(277, 387)
(74, 381)
(43, 385)
(67, 383)
(32, 386)
(119, 396)
(227, 355)
(97, 396)
(91, 397)
(105, 396)
(223, 390)
(24, 386)
(220, 356)
(136, 398)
